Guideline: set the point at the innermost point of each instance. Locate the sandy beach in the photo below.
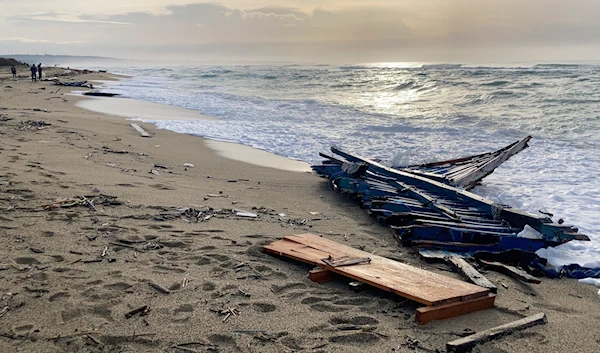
(96, 221)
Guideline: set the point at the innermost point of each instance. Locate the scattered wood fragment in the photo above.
(100, 94)
(184, 349)
(471, 273)
(94, 340)
(467, 343)
(158, 287)
(64, 100)
(36, 250)
(142, 310)
(229, 312)
(511, 271)
(140, 129)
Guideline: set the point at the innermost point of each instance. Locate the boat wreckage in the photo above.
(429, 206)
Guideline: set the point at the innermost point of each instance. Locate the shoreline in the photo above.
(64, 280)
(148, 112)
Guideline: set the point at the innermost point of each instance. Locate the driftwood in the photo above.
(459, 264)
(467, 343)
(141, 130)
(101, 94)
(64, 100)
(142, 310)
(158, 287)
(511, 271)
(471, 273)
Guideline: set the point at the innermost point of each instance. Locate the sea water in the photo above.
(407, 114)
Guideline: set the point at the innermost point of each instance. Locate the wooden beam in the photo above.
(511, 271)
(459, 263)
(320, 275)
(140, 130)
(471, 273)
(467, 343)
(446, 311)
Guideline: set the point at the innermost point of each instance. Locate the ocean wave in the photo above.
(355, 67)
(404, 86)
(556, 66)
(496, 83)
(441, 66)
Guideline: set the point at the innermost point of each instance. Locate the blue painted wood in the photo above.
(424, 210)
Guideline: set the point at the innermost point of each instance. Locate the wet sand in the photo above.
(70, 272)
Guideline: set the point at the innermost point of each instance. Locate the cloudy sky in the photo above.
(306, 30)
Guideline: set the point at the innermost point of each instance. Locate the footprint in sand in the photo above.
(222, 340)
(354, 339)
(288, 287)
(208, 286)
(27, 261)
(59, 296)
(120, 286)
(264, 307)
(329, 308)
(71, 312)
(357, 320)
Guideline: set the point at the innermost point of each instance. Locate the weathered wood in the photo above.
(158, 287)
(320, 275)
(511, 271)
(346, 261)
(410, 282)
(467, 343)
(471, 273)
(140, 130)
(446, 311)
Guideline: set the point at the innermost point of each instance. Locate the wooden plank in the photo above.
(446, 311)
(467, 343)
(416, 284)
(320, 275)
(471, 273)
(511, 271)
(460, 264)
(140, 130)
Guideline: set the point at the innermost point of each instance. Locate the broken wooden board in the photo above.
(467, 343)
(471, 273)
(140, 130)
(446, 311)
(511, 271)
(410, 282)
(460, 264)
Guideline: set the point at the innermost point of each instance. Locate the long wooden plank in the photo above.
(440, 312)
(511, 271)
(416, 284)
(140, 130)
(467, 343)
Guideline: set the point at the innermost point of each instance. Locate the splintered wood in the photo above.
(444, 297)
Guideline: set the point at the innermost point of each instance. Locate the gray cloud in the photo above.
(381, 30)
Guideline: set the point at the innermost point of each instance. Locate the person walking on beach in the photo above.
(33, 73)
(13, 69)
(40, 71)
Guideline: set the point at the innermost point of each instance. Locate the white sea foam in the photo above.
(411, 115)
